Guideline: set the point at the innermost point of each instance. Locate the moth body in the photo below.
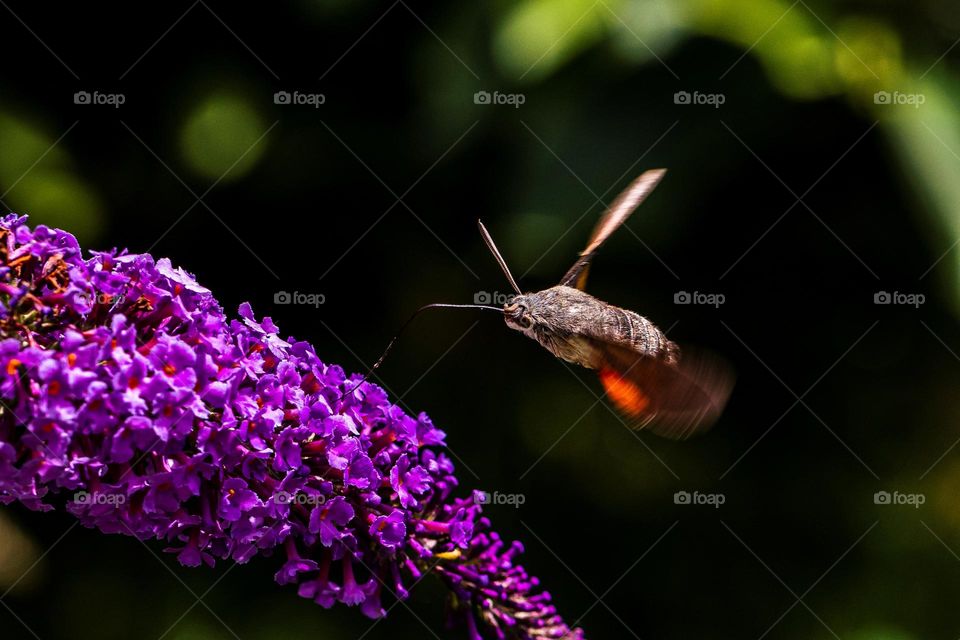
(565, 320)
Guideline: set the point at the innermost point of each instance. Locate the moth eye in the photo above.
(526, 321)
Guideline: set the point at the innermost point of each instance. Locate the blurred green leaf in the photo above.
(868, 57)
(60, 199)
(644, 30)
(792, 45)
(537, 36)
(38, 179)
(19, 557)
(24, 143)
(222, 137)
(927, 142)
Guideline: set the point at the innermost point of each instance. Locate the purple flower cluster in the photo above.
(128, 398)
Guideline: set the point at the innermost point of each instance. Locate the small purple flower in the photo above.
(236, 499)
(163, 495)
(408, 482)
(320, 589)
(327, 520)
(353, 593)
(361, 472)
(287, 447)
(294, 566)
(390, 530)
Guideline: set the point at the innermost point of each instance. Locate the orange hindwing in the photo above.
(627, 396)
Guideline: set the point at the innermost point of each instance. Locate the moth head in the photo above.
(517, 313)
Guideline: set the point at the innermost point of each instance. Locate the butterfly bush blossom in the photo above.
(132, 401)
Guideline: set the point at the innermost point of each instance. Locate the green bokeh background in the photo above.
(799, 198)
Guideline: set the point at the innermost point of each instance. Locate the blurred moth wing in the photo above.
(674, 399)
(618, 212)
(672, 394)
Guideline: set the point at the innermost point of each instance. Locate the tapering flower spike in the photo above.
(128, 398)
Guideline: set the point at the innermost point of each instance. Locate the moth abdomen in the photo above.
(639, 334)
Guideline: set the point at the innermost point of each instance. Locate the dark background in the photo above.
(837, 397)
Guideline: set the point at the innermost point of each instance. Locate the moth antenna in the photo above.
(435, 305)
(499, 258)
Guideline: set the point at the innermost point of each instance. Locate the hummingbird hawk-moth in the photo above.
(644, 373)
